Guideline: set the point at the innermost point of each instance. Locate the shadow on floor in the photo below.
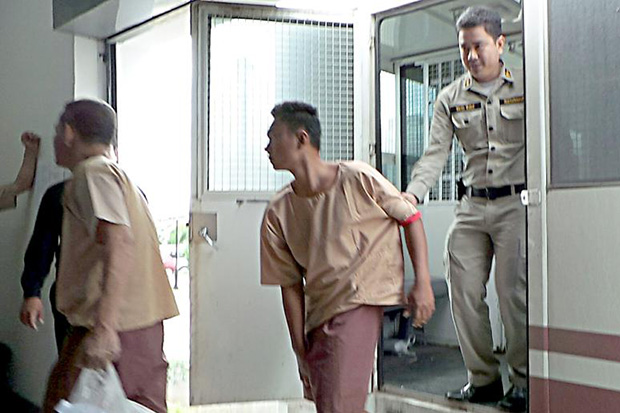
(431, 369)
(8, 396)
(425, 368)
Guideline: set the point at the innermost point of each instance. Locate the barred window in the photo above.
(255, 63)
(420, 84)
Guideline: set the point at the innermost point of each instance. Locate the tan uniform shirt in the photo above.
(490, 129)
(7, 198)
(100, 190)
(344, 243)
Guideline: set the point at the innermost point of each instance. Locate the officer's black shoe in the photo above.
(491, 393)
(515, 400)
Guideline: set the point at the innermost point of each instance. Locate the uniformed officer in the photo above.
(484, 109)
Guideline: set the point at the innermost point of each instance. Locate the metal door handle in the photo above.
(204, 233)
(531, 197)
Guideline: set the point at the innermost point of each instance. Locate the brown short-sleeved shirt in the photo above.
(7, 198)
(100, 190)
(343, 243)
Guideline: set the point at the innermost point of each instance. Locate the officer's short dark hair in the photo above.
(94, 121)
(481, 16)
(300, 115)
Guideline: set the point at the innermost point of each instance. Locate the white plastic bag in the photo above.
(66, 407)
(99, 391)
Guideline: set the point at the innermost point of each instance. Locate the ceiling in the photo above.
(414, 33)
(431, 30)
(104, 18)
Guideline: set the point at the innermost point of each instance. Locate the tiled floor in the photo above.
(176, 346)
(424, 371)
(378, 403)
(427, 372)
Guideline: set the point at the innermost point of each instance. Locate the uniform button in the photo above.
(491, 128)
(489, 101)
(492, 148)
(490, 171)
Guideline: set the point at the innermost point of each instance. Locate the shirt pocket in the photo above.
(512, 122)
(468, 129)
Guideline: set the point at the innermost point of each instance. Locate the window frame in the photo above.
(201, 12)
(425, 61)
(555, 66)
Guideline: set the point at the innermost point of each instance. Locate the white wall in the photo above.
(36, 79)
(90, 69)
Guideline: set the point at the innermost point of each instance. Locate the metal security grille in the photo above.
(420, 85)
(440, 75)
(253, 65)
(413, 103)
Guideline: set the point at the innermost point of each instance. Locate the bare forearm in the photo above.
(294, 310)
(25, 176)
(415, 237)
(420, 300)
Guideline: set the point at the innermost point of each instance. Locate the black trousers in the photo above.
(62, 328)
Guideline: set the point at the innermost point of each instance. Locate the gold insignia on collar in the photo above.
(468, 82)
(508, 74)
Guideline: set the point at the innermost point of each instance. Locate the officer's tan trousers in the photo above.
(484, 228)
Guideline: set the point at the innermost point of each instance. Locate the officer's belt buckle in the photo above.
(490, 193)
(494, 193)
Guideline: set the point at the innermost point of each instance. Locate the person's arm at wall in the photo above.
(294, 311)
(25, 177)
(103, 344)
(42, 248)
(421, 300)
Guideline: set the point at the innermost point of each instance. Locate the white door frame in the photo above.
(227, 212)
(535, 35)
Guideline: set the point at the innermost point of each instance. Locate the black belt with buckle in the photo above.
(494, 193)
